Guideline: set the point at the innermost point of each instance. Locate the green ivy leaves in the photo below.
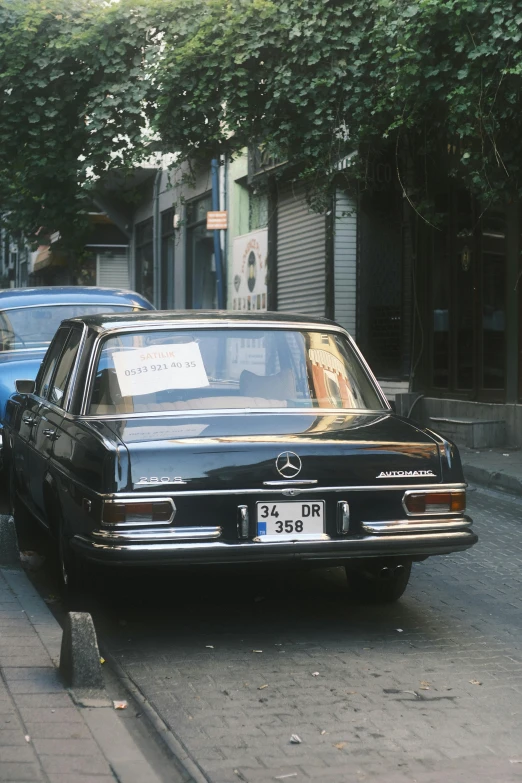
(97, 86)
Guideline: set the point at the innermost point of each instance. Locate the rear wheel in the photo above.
(379, 583)
(25, 523)
(73, 572)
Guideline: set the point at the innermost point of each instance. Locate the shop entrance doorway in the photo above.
(467, 301)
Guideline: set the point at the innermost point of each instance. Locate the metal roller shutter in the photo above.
(113, 271)
(345, 262)
(301, 255)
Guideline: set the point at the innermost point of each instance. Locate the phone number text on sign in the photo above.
(160, 367)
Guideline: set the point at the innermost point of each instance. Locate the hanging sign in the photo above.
(217, 221)
(249, 271)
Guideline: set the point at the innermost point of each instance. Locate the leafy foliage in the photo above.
(72, 104)
(317, 79)
(86, 86)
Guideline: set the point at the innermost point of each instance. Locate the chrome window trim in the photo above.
(234, 411)
(64, 326)
(224, 323)
(48, 402)
(75, 304)
(227, 324)
(74, 371)
(437, 491)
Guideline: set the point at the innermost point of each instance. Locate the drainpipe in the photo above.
(156, 241)
(217, 243)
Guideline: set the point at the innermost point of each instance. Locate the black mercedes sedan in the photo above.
(190, 438)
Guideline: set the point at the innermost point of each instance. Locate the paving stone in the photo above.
(71, 747)
(19, 753)
(35, 686)
(50, 715)
(59, 731)
(20, 773)
(80, 777)
(11, 735)
(31, 660)
(38, 700)
(75, 765)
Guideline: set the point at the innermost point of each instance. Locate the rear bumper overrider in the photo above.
(204, 545)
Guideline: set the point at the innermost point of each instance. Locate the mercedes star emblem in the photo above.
(288, 464)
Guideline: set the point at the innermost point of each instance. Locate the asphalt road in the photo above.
(236, 662)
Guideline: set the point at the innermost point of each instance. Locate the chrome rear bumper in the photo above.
(200, 545)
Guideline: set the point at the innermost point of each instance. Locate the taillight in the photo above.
(445, 502)
(138, 512)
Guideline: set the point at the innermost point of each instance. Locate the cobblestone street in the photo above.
(428, 689)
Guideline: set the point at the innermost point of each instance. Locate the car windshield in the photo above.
(34, 327)
(201, 369)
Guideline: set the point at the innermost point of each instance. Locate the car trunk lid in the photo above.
(239, 451)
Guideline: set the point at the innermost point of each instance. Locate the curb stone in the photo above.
(9, 549)
(493, 479)
(80, 665)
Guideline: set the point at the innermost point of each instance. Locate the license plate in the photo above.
(289, 519)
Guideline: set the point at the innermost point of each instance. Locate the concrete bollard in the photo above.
(9, 549)
(80, 666)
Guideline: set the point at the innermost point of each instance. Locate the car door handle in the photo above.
(29, 420)
(50, 434)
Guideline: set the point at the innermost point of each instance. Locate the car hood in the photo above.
(228, 451)
(15, 366)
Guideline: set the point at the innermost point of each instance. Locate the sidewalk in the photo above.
(494, 468)
(44, 735)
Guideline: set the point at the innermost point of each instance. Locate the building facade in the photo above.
(434, 307)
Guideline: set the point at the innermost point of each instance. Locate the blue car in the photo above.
(29, 318)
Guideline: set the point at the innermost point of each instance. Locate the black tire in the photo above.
(379, 583)
(74, 574)
(26, 525)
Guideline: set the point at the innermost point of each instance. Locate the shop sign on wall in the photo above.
(217, 221)
(249, 271)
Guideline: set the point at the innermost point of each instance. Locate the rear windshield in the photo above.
(35, 327)
(205, 369)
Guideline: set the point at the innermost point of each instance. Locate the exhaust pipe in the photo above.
(387, 572)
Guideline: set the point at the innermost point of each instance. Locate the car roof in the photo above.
(198, 318)
(29, 297)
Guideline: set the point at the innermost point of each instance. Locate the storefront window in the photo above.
(440, 285)
(145, 259)
(258, 211)
(465, 261)
(468, 295)
(201, 264)
(493, 300)
(167, 259)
